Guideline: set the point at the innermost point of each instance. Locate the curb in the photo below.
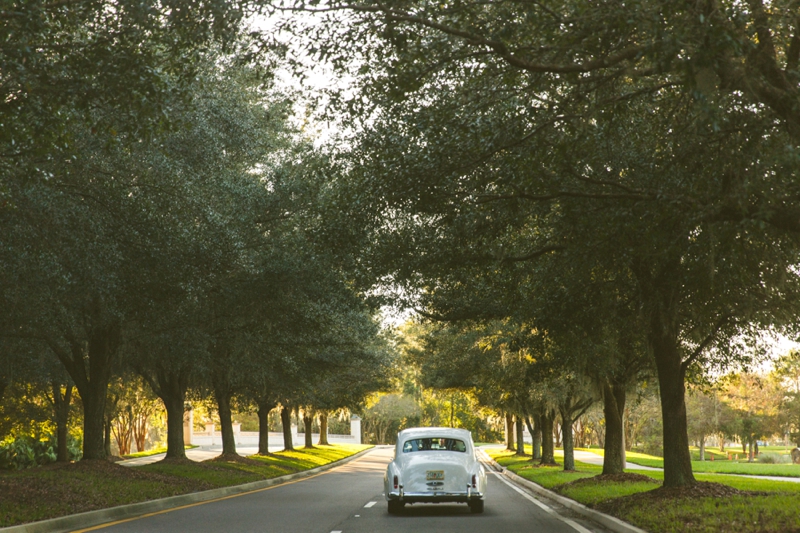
(614, 524)
(135, 510)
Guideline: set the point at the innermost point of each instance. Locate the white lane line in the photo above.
(576, 526)
(337, 531)
(370, 504)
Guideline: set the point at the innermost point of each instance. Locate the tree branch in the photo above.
(534, 254)
(499, 48)
(723, 320)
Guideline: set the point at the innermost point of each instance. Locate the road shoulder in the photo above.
(612, 523)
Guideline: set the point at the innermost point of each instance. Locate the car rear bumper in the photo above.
(435, 497)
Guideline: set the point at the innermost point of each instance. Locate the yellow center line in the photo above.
(164, 511)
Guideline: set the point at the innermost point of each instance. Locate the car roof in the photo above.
(435, 432)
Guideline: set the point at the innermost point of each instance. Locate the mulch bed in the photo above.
(234, 459)
(664, 495)
(613, 478)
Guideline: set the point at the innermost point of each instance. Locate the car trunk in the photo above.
(450, 465)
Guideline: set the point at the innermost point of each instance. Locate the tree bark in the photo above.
(510, 432)
(614, 447)
(175, 404)
(677, 459)
(264, 409)
(107, 438)
(323, 429)
(308, 421)
(286, 422)
(225, 422)
(567, 439)
(139, 430)
(536, 436)
(520, 436)
(661, 294)
(170, 384)
(703, 448)
(90, 365)
(61, 404)
(548, 451)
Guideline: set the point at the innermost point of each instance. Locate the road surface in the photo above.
(349, 499)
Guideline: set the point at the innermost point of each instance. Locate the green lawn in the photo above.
(774, 512)
(62, 489)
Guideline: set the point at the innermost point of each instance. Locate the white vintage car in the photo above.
(435, 465)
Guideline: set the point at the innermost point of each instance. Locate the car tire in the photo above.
(395, 507)
(476, 506)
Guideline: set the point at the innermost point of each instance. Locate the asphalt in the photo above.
(349, 499)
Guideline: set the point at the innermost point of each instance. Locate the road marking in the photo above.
(337, 531)
(576, 526)
(370, 504)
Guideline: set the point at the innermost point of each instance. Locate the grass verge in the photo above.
(762, 506)
(63, 489)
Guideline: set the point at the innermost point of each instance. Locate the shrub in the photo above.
(25, 452)
(773, 458)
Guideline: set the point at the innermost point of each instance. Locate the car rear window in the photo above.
(434, 444)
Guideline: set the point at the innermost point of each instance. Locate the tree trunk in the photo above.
(536, 436)
(225, 422)
(661, 296)
(520, 436)
(61, 404)
(677, 459)
(703, 448)
(557, 433)
(169, 383)
(510, 432)
(614, 447)
(548, 420)
(91, 376)
(107, 439)
(308, 421)
(175, 404)
(139, 430)
(286, 422)
(323, 429)
(755, 447)
(567, 439)
(264, 409)
(721, 443)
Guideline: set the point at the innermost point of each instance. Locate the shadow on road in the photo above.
(435, 509)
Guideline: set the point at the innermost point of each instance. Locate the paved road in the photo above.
(349, 499)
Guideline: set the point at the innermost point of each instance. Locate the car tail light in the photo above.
(474, 481)
(396, 481)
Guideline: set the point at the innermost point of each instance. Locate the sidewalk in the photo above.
(594, 459)
(202, 453)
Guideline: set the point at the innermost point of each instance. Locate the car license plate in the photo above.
(434, 475)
